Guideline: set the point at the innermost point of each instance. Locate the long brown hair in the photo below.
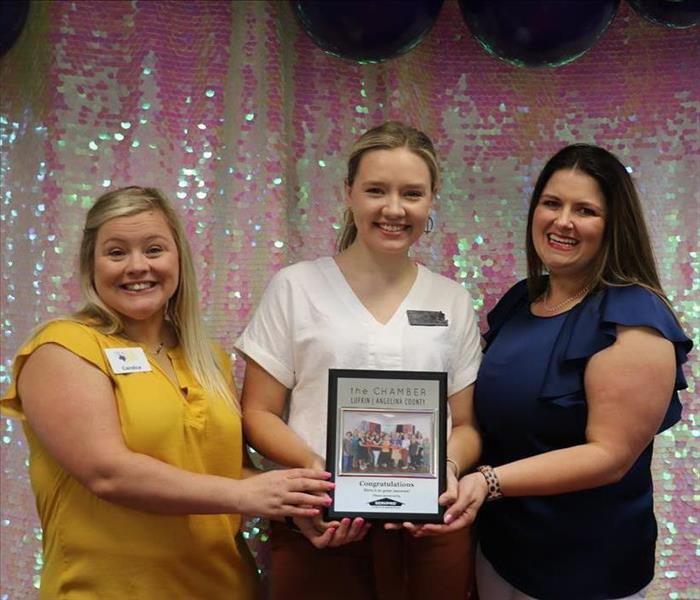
(626, 256)
(387, 136)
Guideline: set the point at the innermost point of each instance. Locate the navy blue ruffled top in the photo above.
(529, 399)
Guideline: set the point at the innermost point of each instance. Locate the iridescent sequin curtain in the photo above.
(234, 112)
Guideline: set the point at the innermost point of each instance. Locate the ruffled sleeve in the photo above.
(592, 326)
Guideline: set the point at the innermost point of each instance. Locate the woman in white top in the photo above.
(349, 311)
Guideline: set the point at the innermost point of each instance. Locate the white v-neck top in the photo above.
(309, 320)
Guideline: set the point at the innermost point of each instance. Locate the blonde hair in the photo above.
(183, 307)
(387, 136)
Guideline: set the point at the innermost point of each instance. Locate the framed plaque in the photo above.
(387, 443)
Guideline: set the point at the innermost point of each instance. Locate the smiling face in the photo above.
(390, 199)
(568, 223)
(136, 266)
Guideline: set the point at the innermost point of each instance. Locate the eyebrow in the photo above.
(116, 239)
(408, 185)
(590, 203)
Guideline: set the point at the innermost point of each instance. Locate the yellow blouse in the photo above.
(97, 550)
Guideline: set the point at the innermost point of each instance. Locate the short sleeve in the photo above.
(592, 327)
(76, 337)
(468, 351)
(268, 339)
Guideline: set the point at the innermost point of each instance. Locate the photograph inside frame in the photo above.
(392, 444)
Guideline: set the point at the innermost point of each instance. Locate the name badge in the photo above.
(427, 318)
(127, 360)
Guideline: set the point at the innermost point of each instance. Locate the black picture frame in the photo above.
(375, 412)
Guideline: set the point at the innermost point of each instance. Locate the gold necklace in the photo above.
(154, 352)
(557, 307)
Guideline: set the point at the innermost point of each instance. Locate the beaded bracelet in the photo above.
(492, 482)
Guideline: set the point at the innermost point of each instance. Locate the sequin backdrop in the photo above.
(233, 111)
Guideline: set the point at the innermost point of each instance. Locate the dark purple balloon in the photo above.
(538, 33)
(367, 30)
(672, 13)
(13, 15)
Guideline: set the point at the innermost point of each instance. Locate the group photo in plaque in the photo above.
(387, 443)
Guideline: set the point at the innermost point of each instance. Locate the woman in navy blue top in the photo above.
(581, 369)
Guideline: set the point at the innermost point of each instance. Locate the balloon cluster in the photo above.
(532, 33)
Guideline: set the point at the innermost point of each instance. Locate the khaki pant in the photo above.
(386, 565)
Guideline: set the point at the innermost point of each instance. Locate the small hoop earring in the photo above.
(430, 225)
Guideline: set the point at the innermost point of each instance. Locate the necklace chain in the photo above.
(556, 307)
(156, 351)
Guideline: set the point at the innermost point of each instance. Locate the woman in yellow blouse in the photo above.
(134, 431)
